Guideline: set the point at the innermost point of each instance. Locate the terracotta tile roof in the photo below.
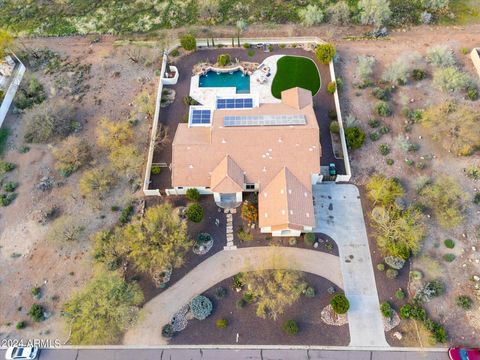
(297, 97)
(286, 202)
(227, 177)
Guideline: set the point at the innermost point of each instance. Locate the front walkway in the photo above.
(224, 264)
(339, 214)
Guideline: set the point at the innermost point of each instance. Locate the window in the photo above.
(179, 187)
(250, 186)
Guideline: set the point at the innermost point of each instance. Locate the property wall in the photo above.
(12, 89)
(475, 55)
(182, 191)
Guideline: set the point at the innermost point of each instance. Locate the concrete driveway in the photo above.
(339, 214)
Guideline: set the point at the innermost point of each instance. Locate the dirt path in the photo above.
(159, 311)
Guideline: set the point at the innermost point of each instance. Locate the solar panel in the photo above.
(200, 117)
(236, 103)
(264, 120)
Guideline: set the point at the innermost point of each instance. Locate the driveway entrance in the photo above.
(339, 214)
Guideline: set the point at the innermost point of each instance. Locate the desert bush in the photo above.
(201, 307)
(384, 149)
(383, 109)
(465, 302)
(194, 213)
(389, 162)
(223, 59)
(449, 257)
(476, 199)
(334, 127)
(439, 333)
(374, 12)
(456, 127)
(240, 303)
(391, 273)
(96, 183)
(331, 87)
(290, 327)
(332, 115)
(430, 290)
(355, 137)
(244, 235)
(167, 331)
(440, 56)
(339, 13)
(249, 212)
(394, 262)
(399, 294)
(386, 309)
(311, 15)
(340, 303)
(49, 120)
(449, 243)
(374, 136)
(383, 190)
(29, 93)
(381, 267)
(450, 79)
(174, 52)
(419, 74)
(373, 123)
(66, 229)
(21, 325)
(71, 155)
(396, 73)
(380, 94)
(415, 312)
(220, 292)
(472, 93)
(310, 292)
(325, 53)
(126, 214)
(447, 200)
(221, 323)
(36, 313)
(473, 172)
(364, 68)
(309, 238)
(193, 194)
(10, 186)
(156, 169)
(188, 42)
(7, 199)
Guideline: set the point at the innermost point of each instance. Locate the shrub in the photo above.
(380, 94)
(36, 292)
(310, 292)
(220, 292)
(449, 257)
(332, 115)
(311, 15)
(188, 42)
(223, 59)
(21, 325)
(374, 12)
(472, 93)
(476, 199)
(249, 212)
(390, 161)
(381, 267)
(419, 74)
(244, 235)
(334, 127)
(340, 303)
(392, 274)
(396, 73)
(7, 199)
(201, 307)
(449, 243)
(339, 13)
(473, 172)
(332, 87)
(126, 214)
(440, 56)
(415, 312)
(373, 123)
(355, 137)
(240, 304)
(10, 186)
(246, 46)
(364, 68)
(251, 53)
(374, 136)
(194, 213)
(167, 331)
(248, 298)
(36, 313)
(49, 120)
(174, 52)
(309, 238)
(383, 109)
(430, 290)
(325, 53)
(193, 194)
(464, 302)
(384, 149)
(450, 79)
(155, 170)
(290, 327)
(386, 309)
(221, 323)
(394, 262)
(71, 155)
(399, 294)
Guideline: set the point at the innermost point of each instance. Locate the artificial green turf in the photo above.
(293, 71)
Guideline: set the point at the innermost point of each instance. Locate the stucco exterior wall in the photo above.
(475, 55)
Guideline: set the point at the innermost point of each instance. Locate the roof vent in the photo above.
(283, 212)
(281, 191)
(291, 212)
(264, 169)
(290, 191)
(308, 215)
(266, 215)
(305, 193)
(224, 141)
(280, 140)
(190, 166)
(265, 194)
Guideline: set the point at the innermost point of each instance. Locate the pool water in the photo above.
(235, 79)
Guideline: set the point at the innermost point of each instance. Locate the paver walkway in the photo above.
(224, 264)
(339, 214)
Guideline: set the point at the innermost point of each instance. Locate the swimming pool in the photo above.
(234, 79)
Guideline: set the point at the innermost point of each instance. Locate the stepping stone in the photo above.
(229, 228)
(233, 211)
(229, 237)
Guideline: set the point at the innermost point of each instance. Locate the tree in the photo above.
(456, 127)
(325, 53)
(355, 137)
(97, 182)
(109, 248)
(6, 40)
(383, 190)
(145, 103)
(194, 213)
(435, 5)
(447, 200)
(127, 159)
(273, 290)
(209, 11)
(223, 59)
(399, 232)
(113, 134)
(158, 241)
(340, 303)
(339, 13)
(103, 310)
(241, 26)
(249, 212)
(66, 229)
(49, 120)
(71, 155)
(188, 42)
(374, 12)
(311, 15)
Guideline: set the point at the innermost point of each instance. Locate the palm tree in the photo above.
(241, 27)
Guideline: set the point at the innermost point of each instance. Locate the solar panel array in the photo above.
(264, 120)
(200, 117)
(237, 103)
